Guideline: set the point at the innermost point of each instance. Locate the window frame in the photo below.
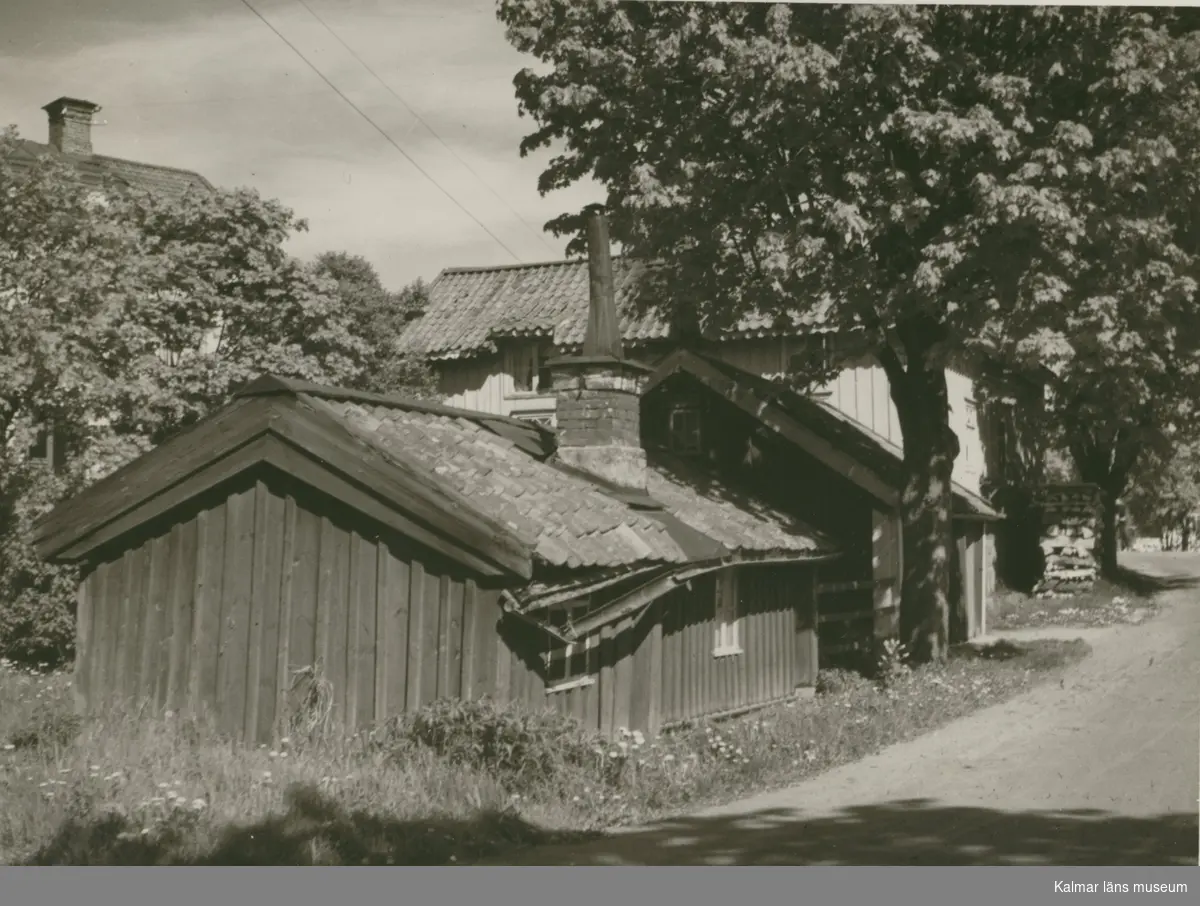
(694, 445)
(727, 614)
(530, 358)
(573, 665)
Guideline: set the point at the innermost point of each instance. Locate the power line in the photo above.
(421, 120)
(377, 128)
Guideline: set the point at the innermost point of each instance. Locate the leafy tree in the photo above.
(222, 302)
(379, 316)
(1166, 490)
(923, 175)
(66, 271)
(127, 317)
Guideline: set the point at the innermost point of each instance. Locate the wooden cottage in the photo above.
(409, 552)
(834, 454)
(805, 455)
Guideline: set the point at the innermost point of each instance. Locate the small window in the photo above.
(727, 639)
(575, 664)
(683, 431)
(46, 448)
(530, 371)
(971, 415)
(814, 353)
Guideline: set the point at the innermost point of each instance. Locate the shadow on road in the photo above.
(914, 832)
(1152, 572)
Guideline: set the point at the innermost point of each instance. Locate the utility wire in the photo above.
(421, 120)
(378, 129)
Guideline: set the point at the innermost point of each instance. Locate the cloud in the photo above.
(209, 87)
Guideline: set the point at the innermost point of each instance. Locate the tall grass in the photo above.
(454, 782)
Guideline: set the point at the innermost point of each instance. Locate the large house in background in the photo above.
(492, 335)
(489, 332)
(70, 140)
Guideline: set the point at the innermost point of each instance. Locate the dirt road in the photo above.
(1102, 769)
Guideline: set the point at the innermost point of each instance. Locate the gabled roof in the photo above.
(470, 309)
(871, 461)
(94, 169)
(484, 490)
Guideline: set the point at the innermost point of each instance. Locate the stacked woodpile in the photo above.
(1070, 518)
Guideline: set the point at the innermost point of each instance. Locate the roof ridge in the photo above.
(532, 265)
(183, 171)
(268, 384)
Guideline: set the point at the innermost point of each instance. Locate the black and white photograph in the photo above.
(588, 433)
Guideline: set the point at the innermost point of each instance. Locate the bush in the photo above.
(522, 749)
(37, 619)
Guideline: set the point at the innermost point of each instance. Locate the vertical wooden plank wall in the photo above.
(217, 613)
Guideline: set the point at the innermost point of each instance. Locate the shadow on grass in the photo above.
(908, 832)
(313, 830)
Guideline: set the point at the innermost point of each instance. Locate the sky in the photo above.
(206, 85)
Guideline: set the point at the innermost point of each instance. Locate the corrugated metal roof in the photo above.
(470, 308)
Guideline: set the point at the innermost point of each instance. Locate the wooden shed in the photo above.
(408, 552)
(411, 553)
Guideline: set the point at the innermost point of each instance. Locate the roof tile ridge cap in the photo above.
(184, 171)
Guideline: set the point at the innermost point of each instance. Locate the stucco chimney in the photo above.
(598, 391)
(71, 124)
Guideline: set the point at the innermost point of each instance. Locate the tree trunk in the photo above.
(930, 448)
(1108, 533)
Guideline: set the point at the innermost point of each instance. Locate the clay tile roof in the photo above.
(94, 169)
(569, 520)
(469, 309)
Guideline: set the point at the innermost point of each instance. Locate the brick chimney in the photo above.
(598, 391)
(71, 125)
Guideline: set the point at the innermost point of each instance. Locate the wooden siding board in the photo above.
(353, 626)
(287, 584)
(210, 564)
(504, 678)
(337, 606)
(83, 642)
(399, 591)
(434, 607)
(470, 635)
(101, 622)
(452, 673)
(133, 621)
(158, 583)
(271, 531)
(383, 632)
(487, 640)
(654, 686)
(364, 639)
(234, 637)
(623, 675)
(305, 578)
(183, 600)
(416, 637)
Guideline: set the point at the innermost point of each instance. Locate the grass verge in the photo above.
(1106, 604)
(457, 782)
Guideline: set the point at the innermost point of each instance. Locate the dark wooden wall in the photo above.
(777, 636)
(217, 611)
(658, 668)
(214, 613)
